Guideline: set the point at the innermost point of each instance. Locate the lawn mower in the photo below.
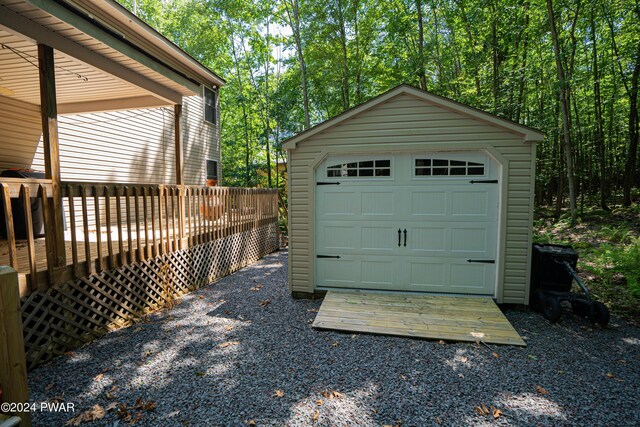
(553, 270)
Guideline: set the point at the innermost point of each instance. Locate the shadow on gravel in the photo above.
(242, 350)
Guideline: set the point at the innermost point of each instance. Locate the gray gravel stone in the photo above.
(217, 358)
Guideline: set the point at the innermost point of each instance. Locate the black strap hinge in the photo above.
(483, 261)
(327, 183)
(328, 256)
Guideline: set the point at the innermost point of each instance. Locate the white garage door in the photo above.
(410, 222)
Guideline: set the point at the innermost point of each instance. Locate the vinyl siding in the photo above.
(134, 146)
(19, 132)
(410, 124)
(130, 146)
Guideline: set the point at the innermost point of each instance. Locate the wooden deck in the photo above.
(450, 318)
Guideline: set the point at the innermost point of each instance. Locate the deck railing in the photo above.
(111, 225)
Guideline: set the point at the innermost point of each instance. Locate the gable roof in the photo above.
(133, 29)
(528, 134)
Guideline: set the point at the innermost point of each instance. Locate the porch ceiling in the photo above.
(79, 86)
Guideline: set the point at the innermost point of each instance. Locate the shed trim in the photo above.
(528, 134)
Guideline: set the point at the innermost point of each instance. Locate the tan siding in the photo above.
(201, 141)
(411, 123)
(133, 146)
(20, 131)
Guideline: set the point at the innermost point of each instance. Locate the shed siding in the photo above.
(411, 124)
(19, 132)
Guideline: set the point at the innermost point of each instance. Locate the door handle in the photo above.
(405, 237)
(399, 237)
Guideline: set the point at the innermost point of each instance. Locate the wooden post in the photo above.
(177, 132)
(49, 114)
(13, 365)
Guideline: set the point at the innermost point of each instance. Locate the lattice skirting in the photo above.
(66, 316)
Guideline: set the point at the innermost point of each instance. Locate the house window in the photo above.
(209, 106)
(446, 167)
(212, 172)
(365, 168)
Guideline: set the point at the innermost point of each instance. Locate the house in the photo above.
(412, 192)
(120, 91)
(128, 214)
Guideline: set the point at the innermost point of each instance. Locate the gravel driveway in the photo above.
(242, 352)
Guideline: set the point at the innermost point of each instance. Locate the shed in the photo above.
(412, 192)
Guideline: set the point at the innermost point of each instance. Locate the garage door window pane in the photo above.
(365, 168)
(447, 167)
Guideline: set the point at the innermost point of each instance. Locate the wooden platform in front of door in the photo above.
(452, 318)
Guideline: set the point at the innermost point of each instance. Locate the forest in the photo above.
(567, 67)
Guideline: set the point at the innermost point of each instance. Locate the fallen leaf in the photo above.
(330, 394)
(265, 303)
(335, 343)
(98, 377)
(69, 354)
(147, 405)
(316, 415)
(532, 357)
(438, 421)
(256, 288)
(354, 336)
(252, 422)
(111, 394)
(200, 296)
(312, 310)
(496, 412)
(200, 374)
(541, 390)
(319, 402)
(404, 377)
(48, 387)
(148, 353)
(496, 355)
(227, 312)
(94, 414)
(482, 409)
(228, 344)
(463, 359)
(441, 342)
(229, 328)
(172, 414)
(111, 406)
(613, 377)
(278, 393)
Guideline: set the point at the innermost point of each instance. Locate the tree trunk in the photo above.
(267, 129)
(525, 47)
(634, 131)
(422, 77)
(294, 23)
(495, 59)
(358, 61)
(345, 62)
(471, 38)
(245, 119)
(599, 131)
(565, 107)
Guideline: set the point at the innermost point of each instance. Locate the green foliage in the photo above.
(496, 55)
(621, 260)
(608, 244)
